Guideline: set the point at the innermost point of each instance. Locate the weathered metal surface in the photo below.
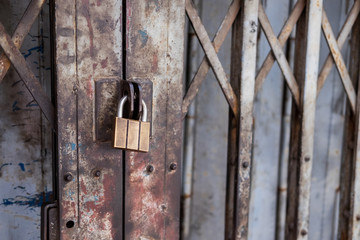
(355, 199)
(294, 152)
(27, 76)
(347, 220)
(339, 61)
(279, 54)
(91, 199)
(267, 133)
(314, 10)
(204, 67)
(22, 29)
(212, 56)
(66, 85)
(282, 38)
(152, 199)
(25, 136)
(233, 137)
(342, 36)
(245, 55)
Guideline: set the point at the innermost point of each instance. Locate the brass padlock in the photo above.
(131, 134)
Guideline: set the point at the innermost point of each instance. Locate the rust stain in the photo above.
(154, 67)
(86, 12)
(90, 90)
(104, 63)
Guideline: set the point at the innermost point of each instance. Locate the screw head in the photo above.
(150, 168)
(303, 232)
(97, 173)
(245, 164)
(173, 166)
(68, 177)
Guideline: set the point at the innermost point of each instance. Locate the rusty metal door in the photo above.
(106, 193)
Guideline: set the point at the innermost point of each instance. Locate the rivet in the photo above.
(303, 232)
(68, 177)
(173, 166)
(245, 164)
(150, 168)
(307, 158)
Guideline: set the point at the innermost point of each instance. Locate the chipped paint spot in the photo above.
(104, 63)
(15, 107)
(39, 49)
(144, 37)
(22, 166)
(29, 201)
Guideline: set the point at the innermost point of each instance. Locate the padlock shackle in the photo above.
(121, 108)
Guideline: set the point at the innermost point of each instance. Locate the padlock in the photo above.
(132, 134)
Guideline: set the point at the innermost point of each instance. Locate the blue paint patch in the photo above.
(29, 201)
(39, 49)
(33, 103)
(22, 167)
(14, 107)
(144, 37)
(5, 164)
(73, 146)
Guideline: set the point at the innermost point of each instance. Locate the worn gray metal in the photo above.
(22, 29)
(249, 28)
(25, 135)
(313, 13)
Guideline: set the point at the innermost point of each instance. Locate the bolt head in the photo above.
(245, 164)
(150, 168)
(68, 177)
(173, 166)
(97, 173)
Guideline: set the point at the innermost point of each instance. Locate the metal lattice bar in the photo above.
(22, 29)
(249, 22)
(205, 65)
(339, 61)
(24, 71)
(314, 10)
(279, 55)
(212, 56)
(283, 37)
(344, 33)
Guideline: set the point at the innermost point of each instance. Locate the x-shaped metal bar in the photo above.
(276, 52)
(22, 29)
(339, 61)
(211, 54)
(279, 54)
(344, 33)
(10, 48)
